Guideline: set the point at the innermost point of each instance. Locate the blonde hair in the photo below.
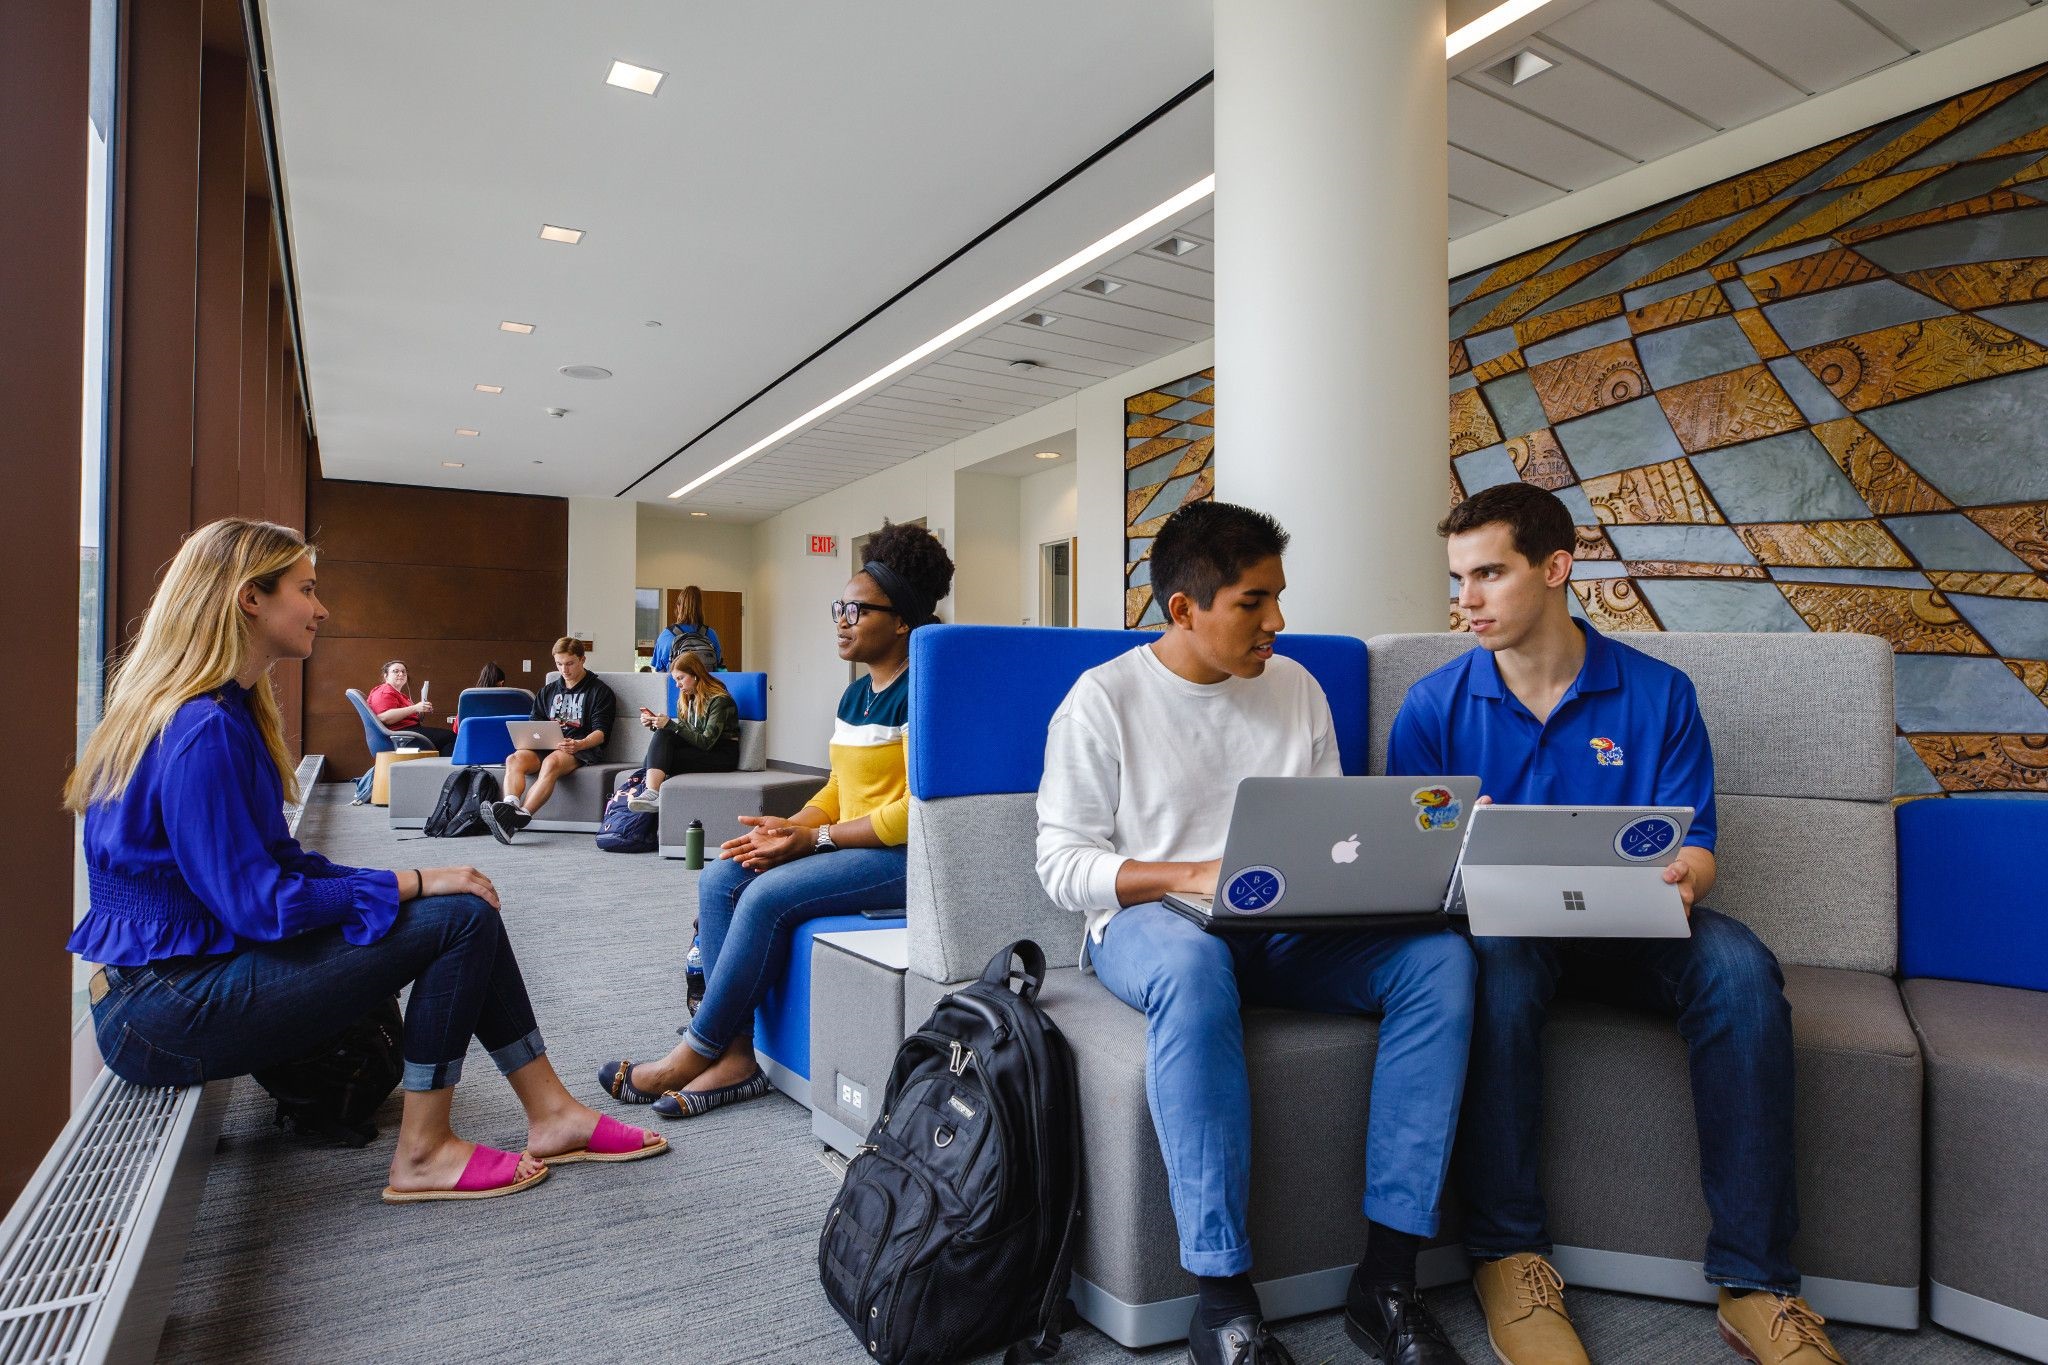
(683, 661)
(194, 639)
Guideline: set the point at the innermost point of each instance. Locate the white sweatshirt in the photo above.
(1141, 763)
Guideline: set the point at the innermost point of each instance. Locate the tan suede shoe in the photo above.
(1526, 1322)
(1776, 1329)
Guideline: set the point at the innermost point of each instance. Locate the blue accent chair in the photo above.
(487, 742)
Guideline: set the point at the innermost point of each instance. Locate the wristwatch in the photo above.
(823, 843)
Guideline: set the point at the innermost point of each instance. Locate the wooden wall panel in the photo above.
(217, 391)
(445, 580)
(44, 67)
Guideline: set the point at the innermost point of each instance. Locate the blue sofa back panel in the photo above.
(981, 698)
(494, 701)
(1971, 903)
(749, 693)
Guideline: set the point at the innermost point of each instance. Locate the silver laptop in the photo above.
(1336, 853)
(1572, 872)
(534, 734)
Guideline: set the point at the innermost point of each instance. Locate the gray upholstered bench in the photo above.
(856, 1023)
(720, 799)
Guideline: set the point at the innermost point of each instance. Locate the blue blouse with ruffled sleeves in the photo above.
(194, 857)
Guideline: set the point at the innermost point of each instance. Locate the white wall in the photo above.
(788, 633)
(602, 535)
(985, 515)
(1045, 512)
(676, 549)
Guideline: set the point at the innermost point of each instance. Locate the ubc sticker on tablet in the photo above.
(1647, 838)
(1255, 890)
(1436, 809)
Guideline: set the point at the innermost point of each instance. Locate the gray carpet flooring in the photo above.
(705, 1255)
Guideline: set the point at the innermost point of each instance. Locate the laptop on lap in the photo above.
(534, 734)
(1336, 853)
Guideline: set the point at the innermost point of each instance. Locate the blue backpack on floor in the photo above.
(626, 830)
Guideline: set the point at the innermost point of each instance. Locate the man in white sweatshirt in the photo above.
(1142, 763)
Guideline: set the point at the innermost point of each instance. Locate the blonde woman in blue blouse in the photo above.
(228, 948)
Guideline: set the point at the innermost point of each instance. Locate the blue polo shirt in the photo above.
(1627, 733)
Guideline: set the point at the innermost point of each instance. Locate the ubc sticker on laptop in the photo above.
(1436, 809)
(1647, 838)
(1254, 891)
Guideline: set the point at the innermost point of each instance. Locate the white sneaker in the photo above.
(644, 802)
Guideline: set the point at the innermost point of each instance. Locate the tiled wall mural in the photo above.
(1169, 451)
(1812, 397)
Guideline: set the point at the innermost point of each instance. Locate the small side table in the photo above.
(380, 786)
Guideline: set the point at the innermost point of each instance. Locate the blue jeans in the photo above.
(185, 1020)
(1191, 985)
(744, 922)
(1729, 996)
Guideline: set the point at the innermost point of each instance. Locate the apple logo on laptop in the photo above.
(1345, 850)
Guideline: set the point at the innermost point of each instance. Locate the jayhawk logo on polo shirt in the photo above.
(1606, 752)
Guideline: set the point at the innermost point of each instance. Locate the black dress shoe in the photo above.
(1392, 1325)
(1241, 1341)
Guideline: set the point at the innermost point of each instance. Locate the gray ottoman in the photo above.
(577, 805)
(720, 799)
(1987, 1184)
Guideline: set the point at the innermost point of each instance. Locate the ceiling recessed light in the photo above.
(1176, 246)
(567, 236)
(523, 328)
(1036, 287)
(465, 431)
(1520, 67)
(584, 372)
(650, 323)
(627, 76)
(1038, 319)
(490, 388)
(700, 514)
(451, 464)
(1021, 364)
(1046, 455)
(540, 461)
(1102, 284)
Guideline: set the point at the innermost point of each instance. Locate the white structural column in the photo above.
(1331, 326)
(603, 549)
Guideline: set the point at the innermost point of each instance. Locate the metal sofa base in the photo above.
(1662, 1277)
(1137, 1325)
(2006, 1328)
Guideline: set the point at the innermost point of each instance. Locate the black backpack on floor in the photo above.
(953, 1233)
(332, 1094)
(458, 811)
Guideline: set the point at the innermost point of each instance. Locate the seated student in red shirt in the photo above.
(399, 711)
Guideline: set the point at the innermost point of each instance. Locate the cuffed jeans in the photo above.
(1191, 985)
(1726, 989)
(745, 919)
(185, 1020)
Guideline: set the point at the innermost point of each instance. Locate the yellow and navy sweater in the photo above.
(870, 759)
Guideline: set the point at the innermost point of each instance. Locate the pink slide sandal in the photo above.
(489, 1174)
(613, 1141)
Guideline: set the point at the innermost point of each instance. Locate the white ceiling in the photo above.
(805, 161)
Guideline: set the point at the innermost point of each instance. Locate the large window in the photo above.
(99, 262)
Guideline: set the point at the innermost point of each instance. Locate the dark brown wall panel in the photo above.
(44, 72)
(159, 156)
(258, 250)
(445, 580)
(217, 392)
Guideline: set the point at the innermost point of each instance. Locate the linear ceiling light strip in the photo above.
(1084, 259)
(1490, 23)
(991, 230)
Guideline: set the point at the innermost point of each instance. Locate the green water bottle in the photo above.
(693, 846)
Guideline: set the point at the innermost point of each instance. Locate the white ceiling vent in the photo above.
(1176, 246)
(584, 372)
(1102, 284)
(1038, 319)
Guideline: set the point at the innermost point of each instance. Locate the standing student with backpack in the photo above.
(227, 948)
(841, 854)
(689, 634)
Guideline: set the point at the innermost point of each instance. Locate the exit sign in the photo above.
(824, 545)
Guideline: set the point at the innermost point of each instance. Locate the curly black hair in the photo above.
(916, 554)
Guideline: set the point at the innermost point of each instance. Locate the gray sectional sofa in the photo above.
(1802, 729)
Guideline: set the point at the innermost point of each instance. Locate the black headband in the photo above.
(912, 605)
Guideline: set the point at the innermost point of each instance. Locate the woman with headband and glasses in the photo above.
(841, 854)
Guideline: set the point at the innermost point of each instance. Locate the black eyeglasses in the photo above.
(848, 613)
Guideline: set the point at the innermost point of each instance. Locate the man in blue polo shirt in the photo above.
(1549, 711)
